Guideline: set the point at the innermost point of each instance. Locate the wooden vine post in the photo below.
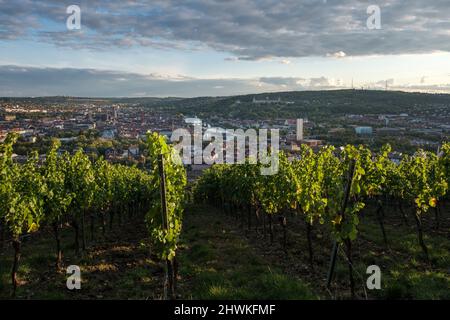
(169, 285)
(336, 243)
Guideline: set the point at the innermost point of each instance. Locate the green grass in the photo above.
(217, 261)
(405, 272)
(118, 267)
(221, 265)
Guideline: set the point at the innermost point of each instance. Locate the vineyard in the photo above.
(71, 190)
(331, 189)
(333, 205)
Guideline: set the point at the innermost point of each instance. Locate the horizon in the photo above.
(227, 96)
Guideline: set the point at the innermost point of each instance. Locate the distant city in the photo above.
(114, 129)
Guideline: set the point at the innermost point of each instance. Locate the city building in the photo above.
(299, 129)
(364, 130)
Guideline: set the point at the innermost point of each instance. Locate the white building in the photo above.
(299, 129)
(193, 121)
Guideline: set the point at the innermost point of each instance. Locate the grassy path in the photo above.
(217, 262)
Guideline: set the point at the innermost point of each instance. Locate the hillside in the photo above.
(312, 103)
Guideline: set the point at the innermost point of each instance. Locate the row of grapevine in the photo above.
(165, 217)
(329, 187)
(70, 189)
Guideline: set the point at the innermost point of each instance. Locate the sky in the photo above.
(191, 48)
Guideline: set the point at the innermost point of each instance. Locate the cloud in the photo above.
(282, 81)
(231, 59)
(339, 54)
(319, 82)
(249, 30)
(431, 88)
(33, 81)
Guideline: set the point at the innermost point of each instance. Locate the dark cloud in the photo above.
(28, 81)
(246, 29)
(31, 81)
